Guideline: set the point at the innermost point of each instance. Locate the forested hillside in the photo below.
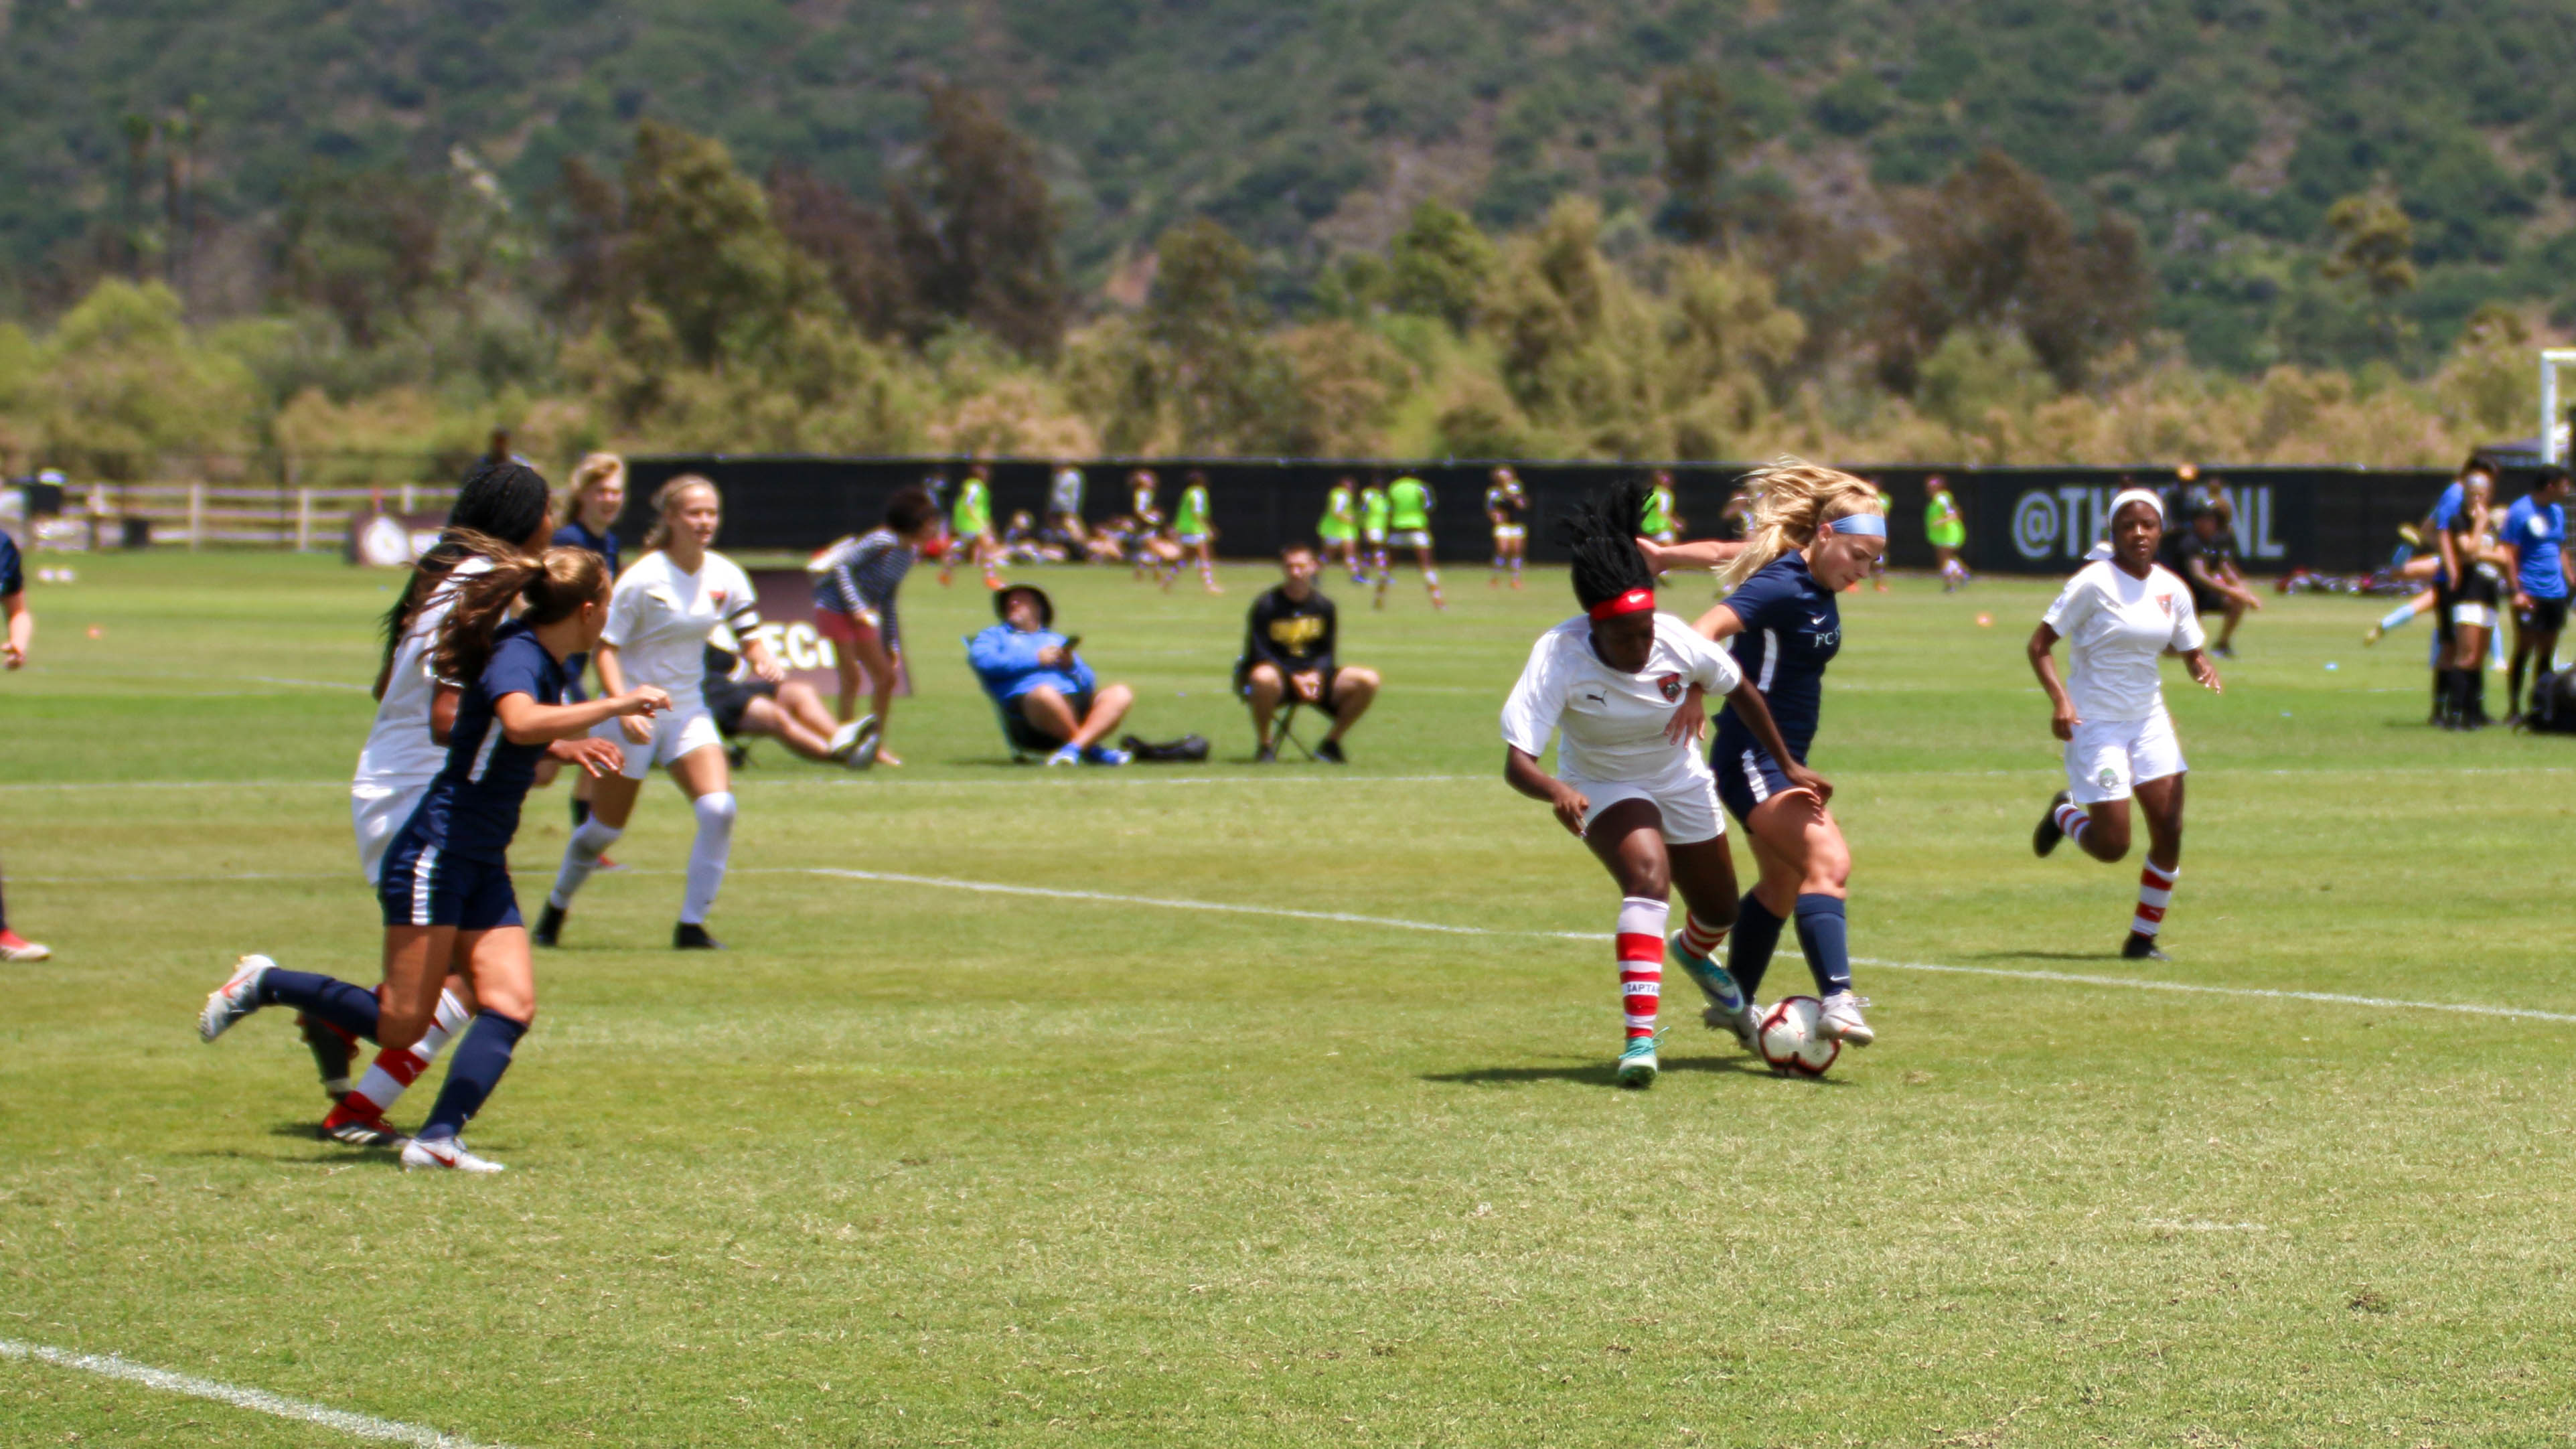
(430, 196)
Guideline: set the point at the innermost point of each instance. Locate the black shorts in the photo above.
(1026, 737)
(2545, 616)
(423, 886)
(729, 699)
(2205, 600)
(1322, 705)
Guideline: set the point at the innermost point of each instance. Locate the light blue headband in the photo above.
(1867, 525)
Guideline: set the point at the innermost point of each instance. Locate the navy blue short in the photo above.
(423, 886)
(1746, 776)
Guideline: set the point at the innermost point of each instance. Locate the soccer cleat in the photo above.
(1637, 1065)
(236, 998)
(359, 1126)
(1330, 752)
(2373, 635)
(690, 936)
(1715, 981)
(550, 924)
(2141, 948)
(1842, 1021)
(445, 1154)
(1266, 755)
(1745, 1022)
(2045, 838)
(1105, 755)
(867, 742)
(331, 1049)
(14, 947)
(1069, 755)
(2223, 651)
(737, 757)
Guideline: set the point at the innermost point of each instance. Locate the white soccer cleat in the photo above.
(1745, 1022)
(17, 948)
(1841, 1020)
(443, 1154)
(236, 998)
(856, 744)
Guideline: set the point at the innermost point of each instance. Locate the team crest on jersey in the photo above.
(2107, 777)
(1671, 685)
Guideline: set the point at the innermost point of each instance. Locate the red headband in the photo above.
(1635, 601)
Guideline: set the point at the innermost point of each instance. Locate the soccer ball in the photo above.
(1790, 1039)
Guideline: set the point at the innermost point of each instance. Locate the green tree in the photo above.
(976, 226)
(122, 380)
(1702, 132)
(1223, 383)
(2372, 239)
(1439, 265)
(698, 246)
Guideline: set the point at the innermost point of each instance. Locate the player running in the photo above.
(1946, 531)
(659, 621)
(590, 508)
(1339, 528)
(1408, 509)
(1621, 686)
(854, 589)
(14, 643)
(1811, 533)
(2534, 543)
(1663, 522)
(1372, 554)
(445, 887)
(971, 529)
(1507, 509)
(2119, 615)
(1195, 534)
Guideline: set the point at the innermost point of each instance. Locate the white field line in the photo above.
(258, 1401)
(2070, 978)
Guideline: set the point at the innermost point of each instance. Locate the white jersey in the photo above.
(1612, 722)
(659, 619)
(2116, 628)
(399, 753)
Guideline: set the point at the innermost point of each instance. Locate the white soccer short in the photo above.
(1510, 532)
(1686, 798)
(2107, 757)
(676, 733)
(379, 812)
(1410, 538)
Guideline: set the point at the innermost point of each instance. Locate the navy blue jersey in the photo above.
(13, 574)
(573, 535)
(1792, 630)
(472, 808)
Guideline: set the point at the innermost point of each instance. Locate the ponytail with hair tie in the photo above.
(554, 586)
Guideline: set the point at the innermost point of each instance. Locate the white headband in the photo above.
(2127, 496)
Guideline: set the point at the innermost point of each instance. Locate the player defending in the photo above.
(1507, 509)
(1621, 687)
(2119, 615)
(1946, 530)
(1196, 536)
(1288, 641)
(1408, 508)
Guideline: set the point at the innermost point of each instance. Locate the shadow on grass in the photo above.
(1602, 1074)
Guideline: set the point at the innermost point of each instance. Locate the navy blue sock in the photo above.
(350, 1008)
(1825, 937)
(473, 1072)
(580, 812)
(1748, 951)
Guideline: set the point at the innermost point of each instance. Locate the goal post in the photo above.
(2553, 420)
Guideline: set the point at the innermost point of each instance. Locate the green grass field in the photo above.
(918, 1164)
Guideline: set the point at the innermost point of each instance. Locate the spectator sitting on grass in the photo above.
(1050, 703)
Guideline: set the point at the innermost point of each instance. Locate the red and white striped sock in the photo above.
(1701, 940)
(2073, 819)
(1641, 961)
(396, 1068)
(2155, 892)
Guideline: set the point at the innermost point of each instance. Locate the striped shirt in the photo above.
(859, 576)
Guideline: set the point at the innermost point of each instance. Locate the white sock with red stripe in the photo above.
(396, 1068)
(1641, 962)
(2155, 892)
(1702, 940)
(2074, 820)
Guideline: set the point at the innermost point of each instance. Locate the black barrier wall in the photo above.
(2020, 520)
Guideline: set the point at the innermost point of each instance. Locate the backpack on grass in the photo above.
(2553, 704)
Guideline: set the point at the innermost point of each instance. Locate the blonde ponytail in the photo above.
(1791, 500)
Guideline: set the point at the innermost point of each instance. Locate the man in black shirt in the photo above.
(1288, 655)
(2205, 555)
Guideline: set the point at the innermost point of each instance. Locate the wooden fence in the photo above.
(195, 515)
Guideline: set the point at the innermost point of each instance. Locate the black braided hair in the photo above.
(500, 499)
(1602, 537)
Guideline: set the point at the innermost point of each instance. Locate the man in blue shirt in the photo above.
(2535, 539)
(1051, 704)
